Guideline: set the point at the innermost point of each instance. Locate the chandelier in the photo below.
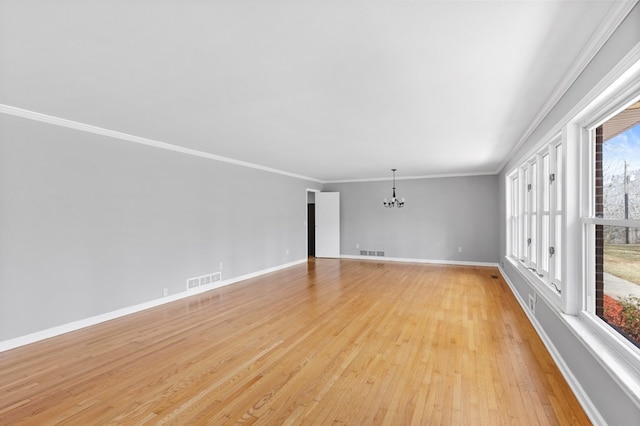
(394, 202)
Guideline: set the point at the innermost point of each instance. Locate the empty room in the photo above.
(319, 212)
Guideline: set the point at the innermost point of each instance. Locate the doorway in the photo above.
(323, 224)
(311, 229)
(311, 223)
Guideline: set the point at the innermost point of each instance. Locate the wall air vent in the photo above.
(193, 282)
(203, 280)
(371, 253)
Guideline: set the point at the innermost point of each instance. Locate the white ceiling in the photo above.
(332, 90)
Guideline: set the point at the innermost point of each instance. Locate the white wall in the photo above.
(90, 224)
(440, 215)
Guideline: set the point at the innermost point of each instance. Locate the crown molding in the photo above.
(618, 12)
(440, 176)
(626, 72)
(88, 128)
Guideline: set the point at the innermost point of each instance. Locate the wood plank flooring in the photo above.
(331, 341)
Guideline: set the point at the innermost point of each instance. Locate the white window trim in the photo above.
(632, 223)
(580, 159)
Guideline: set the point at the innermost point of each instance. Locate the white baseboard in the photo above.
(87, 322)
(264, 271)
(586, 403)
(411, 260)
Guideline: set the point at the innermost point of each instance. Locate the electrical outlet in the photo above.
(357, 245)
(459, 249)
(165, 292)
(287, 251)
(220, 266)
(532, 303)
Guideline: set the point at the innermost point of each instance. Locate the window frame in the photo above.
(528, 257)
(618, 97)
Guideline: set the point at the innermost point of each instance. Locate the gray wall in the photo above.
(612, 402)
(440, 215)
(89, 224)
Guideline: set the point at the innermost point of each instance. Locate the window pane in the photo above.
(621, 165)
(545, 182)
(558, 181)
(525, 179)
(514, 236)
(532, 246)
(524, 247)
(514, 197)
(532, 182)
(557, 257)
(514, 216)
(527, 234)
(621, 281)
(544, 242)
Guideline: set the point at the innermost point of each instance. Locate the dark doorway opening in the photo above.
(311, 229)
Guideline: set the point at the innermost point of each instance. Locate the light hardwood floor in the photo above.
(331, 341)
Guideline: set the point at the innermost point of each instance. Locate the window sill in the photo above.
(622, 364)
(547, 292)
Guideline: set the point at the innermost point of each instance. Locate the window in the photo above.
(614, 222)
(535, 215)
(530, 255)
(513, 215)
